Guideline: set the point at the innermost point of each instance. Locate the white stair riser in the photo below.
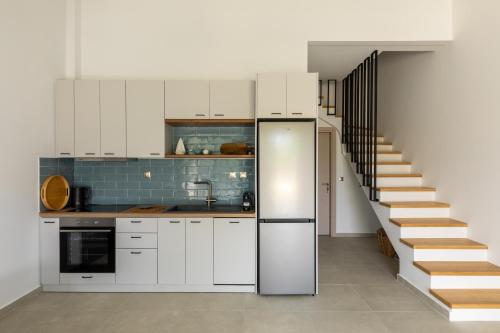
(389, 157)
(434, 232)
(449, 255)
(475, 315)
(384, 148)
(419, 212)
(464, 282)
(397, 168)
(379, 139)
(407, 196)
(398, 181)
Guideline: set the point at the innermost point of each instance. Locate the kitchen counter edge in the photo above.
(144, 214)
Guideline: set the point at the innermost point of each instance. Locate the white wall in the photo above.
(228, 38)
(32, 57)
(442, 110)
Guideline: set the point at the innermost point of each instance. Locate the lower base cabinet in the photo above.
(234, 250)
(87, 278)
(172, 251)
(199, 251)
(136, 266)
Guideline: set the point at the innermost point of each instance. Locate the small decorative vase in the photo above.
(180, 149)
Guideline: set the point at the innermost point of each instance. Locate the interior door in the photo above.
(324, 183)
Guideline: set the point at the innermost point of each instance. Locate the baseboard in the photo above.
(7, 308)
(423, 296)
(354, 235)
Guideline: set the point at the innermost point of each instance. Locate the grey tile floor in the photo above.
(358, 293)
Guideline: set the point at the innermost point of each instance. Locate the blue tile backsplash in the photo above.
(123, 182)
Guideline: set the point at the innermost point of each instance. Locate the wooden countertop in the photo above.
(138, 211)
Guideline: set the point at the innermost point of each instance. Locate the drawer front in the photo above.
(137, 266)
(87, 278)
(136, 241)
(136, 225)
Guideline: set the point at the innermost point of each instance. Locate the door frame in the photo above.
(333, 189)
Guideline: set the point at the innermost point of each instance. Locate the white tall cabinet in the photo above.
(172, 251)
(87, 119)
(287, 95)
(65, 118)
(113, 119)
(199, 251)
(145, 118)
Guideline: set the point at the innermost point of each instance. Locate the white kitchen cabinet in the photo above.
(271, 95)
(49, 251)
(187, 99)
(126, 240)
(199, 251)
(145, 118)
(113, 119)
(136, 224)
(172, 251)
(87, 278)
(136, 266)
(301, 95)
(232, 99)
(234, 250)
(87, 119)
(65, 118)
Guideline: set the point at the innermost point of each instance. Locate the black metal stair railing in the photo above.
(359, 120)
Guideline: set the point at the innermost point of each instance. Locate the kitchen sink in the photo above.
(205, 208)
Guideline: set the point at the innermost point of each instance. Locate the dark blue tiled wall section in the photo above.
(123, 182)
(57, 166)
(211, 137)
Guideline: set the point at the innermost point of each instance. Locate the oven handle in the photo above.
(86, 230)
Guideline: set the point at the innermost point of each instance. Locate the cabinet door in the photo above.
(87, 119)
(232, 99)
(49, 251)
(199, 251)
(302, 95)
(136, 266)
(65, 118)
(271, 95)
(187, 99)
(234, 251)
(145, 119)
(113, 119)
(172, 251)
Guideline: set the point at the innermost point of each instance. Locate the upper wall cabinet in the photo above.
(271, 95)
(301, 95)
(113, 119)
(287, 95)
(87, 119)
(65, 118)
(145, 118)
(187, 99)
(232, 99)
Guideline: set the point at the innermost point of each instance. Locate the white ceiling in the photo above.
(336, 60)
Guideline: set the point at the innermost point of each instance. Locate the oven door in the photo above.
(87, 250)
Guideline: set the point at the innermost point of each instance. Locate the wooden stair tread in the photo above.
(406, 189)
(468, 298)
(399, 175)
(394, 152)
(442, 243)
(458, 268)
(415, 204)
(427, 222)
(394, 163)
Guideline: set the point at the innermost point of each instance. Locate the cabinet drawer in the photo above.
(136, 266)
(136, 225)
(136, 241)
(87, 278)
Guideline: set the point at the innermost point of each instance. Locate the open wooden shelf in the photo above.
(214, 156)
(210, 122)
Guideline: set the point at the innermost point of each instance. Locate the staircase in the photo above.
(436, 257)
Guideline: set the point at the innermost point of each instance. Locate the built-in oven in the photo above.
(87, 245)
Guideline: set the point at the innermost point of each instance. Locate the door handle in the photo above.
(327, 186)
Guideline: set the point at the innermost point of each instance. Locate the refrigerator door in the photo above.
(287, 258)
(286, 162)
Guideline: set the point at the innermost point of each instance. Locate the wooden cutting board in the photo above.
(55, 192)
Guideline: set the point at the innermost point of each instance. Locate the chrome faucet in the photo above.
(209, 198)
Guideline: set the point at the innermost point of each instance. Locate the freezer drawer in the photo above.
(287, 263)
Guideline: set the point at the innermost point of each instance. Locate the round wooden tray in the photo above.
(55, 192)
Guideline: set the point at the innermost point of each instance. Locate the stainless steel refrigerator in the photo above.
(286, 188)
